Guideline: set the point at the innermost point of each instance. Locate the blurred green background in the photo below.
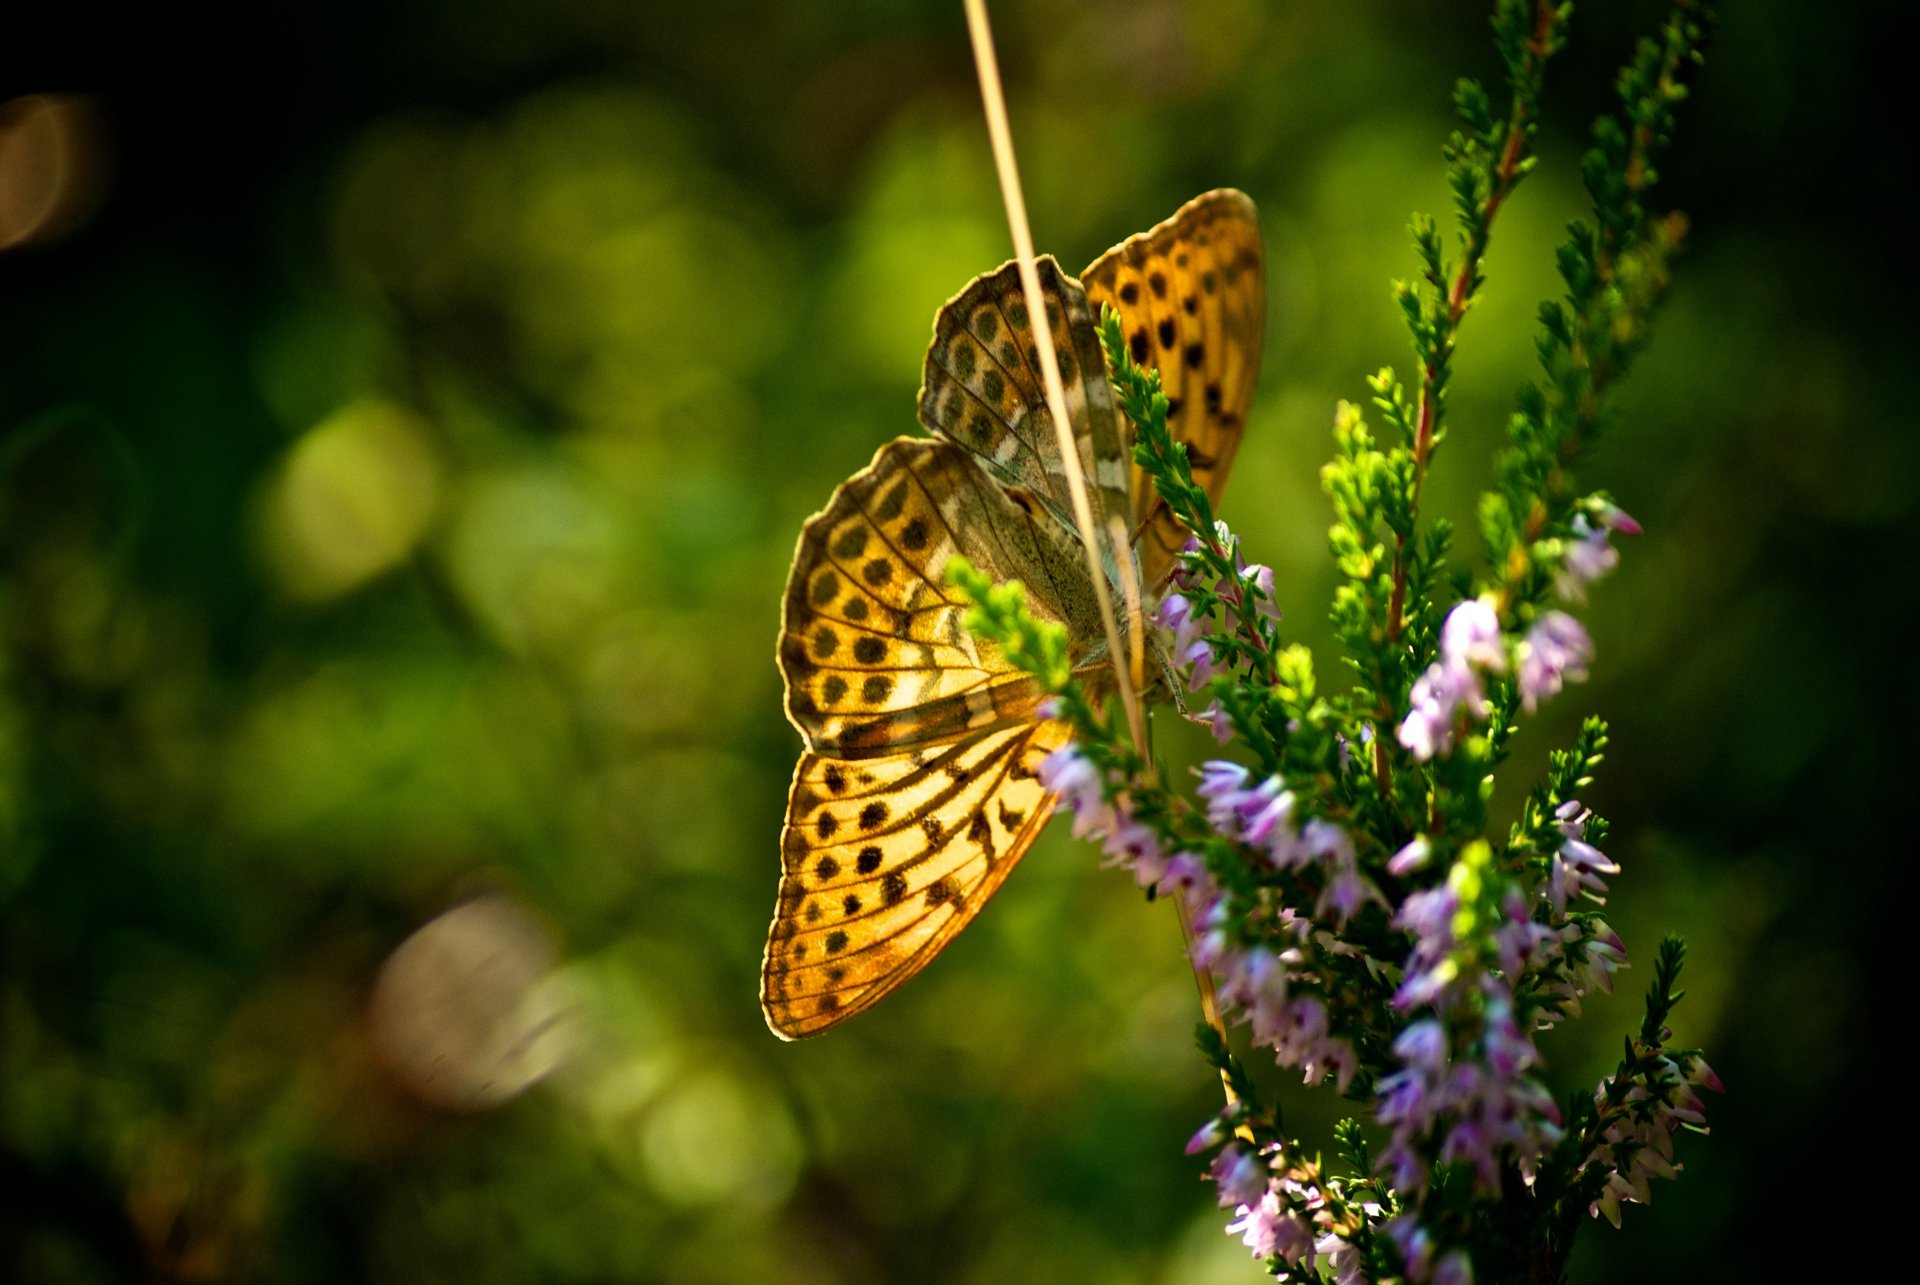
(406, 414)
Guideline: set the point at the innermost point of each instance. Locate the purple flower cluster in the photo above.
(1636, 1144)
(1555, 651)
(1483, 1105)
(1262, 984)
(1264, 817)
(1085, 790)
(1463, 1091)
(1279, 1209)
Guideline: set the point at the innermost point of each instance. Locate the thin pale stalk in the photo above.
(1128, 664)
(1002, 135)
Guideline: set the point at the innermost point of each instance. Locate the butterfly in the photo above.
(917, 791)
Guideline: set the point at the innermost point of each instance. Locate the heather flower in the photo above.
(1413, 1244)
(1414, 856)
(1267, 1227)
(1081, 787)
(1175, 615)
(1575, 868)
(1197, 659)
(1240, 1175)
(1260, 578)
(1429, 916)
(1346, 888)
(1589, 556)
(1555, 650)
(1439, 696)
(1186, 877)
(1455, 1269)
(1344, 1257)
(1470, 635)
(1522, 943)
(1208, 1136)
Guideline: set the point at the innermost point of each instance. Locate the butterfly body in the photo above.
(917, 790)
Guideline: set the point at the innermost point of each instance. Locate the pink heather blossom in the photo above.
(1523, 944)
(1259, 1226)
(1428, 915)
(1175, 615)
(1071, 775)
(1470, 635)
(1439, 695)
(1216, 717)
(1348, 1266)
(1575, 869)
(1266, 821)
(1413, 1243)
(1240, 1175)
(1137, 848)
(1261, 579)
(1267, 1228)
(1414, 856)
(1483, 1108)
(1455, 1269)
(1208, 1136)
(1555, 651)
(1589, 556)
(1186, 877)
(1196, 657)
(1470, 642)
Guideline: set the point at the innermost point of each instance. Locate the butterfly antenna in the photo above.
(1128, 664)
(1002, 136)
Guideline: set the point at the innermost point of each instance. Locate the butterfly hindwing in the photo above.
(1191, 294)
(982, 390)
(885, 859)
(872, 644)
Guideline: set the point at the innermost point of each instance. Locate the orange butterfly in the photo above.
(917, 790)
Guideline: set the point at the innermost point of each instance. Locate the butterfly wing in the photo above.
(872, 644)
(1192, 299)
(886, 859)
(917, 792)
(982, 390)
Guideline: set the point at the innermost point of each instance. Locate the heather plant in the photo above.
(1350, 904)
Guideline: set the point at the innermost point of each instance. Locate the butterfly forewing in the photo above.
(873, 648)
(982, 390)
(885, 859)
(1191, 294)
